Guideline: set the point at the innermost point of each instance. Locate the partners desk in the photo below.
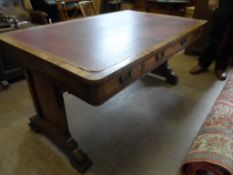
(92, 58)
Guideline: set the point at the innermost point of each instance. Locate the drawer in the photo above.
(131, 73)
(120, 80)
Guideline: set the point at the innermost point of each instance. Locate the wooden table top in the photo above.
(94, 47)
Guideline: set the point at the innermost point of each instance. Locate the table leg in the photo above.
(165, 71)
(51, 119)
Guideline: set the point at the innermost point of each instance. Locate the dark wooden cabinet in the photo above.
(48, 6)
(110, 6)
(15, 16)
(193, 2)
(171, 7)
(8, 69)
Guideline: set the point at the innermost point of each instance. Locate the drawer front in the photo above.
(133, 72)
(119, 81)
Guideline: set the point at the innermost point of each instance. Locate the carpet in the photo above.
(212, 149)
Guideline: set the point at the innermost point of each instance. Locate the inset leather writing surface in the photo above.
(98, 43)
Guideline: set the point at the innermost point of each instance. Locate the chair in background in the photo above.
(22, 11)
(15, 14)
(68, 9)
(111, 5)
(48, 6)
(87, 8)
(97, 5)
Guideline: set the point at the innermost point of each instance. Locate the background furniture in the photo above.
(110, 6)
(87, 8)
(95, 69)
(174, 7)
(8, 69)
(22, 10)
(171, 7)
(68, 9)
(48, 6)
(97, 5)
(193, 2)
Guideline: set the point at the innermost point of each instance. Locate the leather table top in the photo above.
(98, 43)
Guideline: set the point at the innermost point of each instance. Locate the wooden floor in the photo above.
(144, 130)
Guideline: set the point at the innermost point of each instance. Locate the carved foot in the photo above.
(80, 160)
(172, 79)
(165, 71)
(34, 127)
(66, 143)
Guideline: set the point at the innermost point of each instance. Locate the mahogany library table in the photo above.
(92, 58)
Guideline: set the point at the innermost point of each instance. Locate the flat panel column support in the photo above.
(51, 120)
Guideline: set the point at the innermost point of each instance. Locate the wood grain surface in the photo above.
(98, 44)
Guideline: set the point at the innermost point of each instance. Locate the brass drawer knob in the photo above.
(159, 56)
(183, 41)
(125, 78)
